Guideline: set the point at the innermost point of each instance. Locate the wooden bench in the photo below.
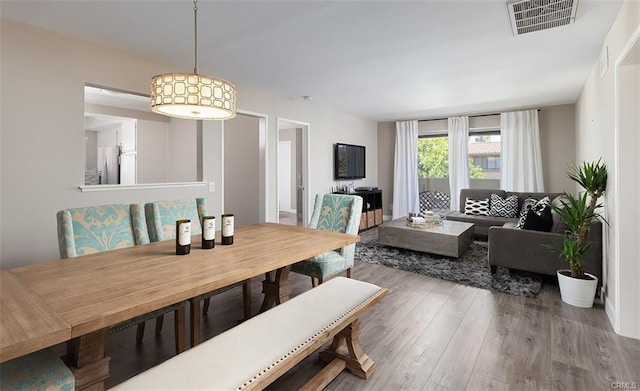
(255, 353)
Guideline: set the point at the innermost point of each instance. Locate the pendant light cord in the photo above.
(195, 33)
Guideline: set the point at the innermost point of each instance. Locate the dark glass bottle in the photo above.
(208, 232)
(183, 237)
(227, 229)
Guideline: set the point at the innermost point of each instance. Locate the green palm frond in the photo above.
(592, 176)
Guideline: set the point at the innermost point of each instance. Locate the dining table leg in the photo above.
(87, 360)
(276, 288)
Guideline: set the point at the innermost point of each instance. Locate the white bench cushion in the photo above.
(239, 356)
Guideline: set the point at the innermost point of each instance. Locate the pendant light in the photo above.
(193, 95)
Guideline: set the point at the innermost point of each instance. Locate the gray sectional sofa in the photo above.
(524, 249)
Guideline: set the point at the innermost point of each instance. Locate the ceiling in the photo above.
(380, 60)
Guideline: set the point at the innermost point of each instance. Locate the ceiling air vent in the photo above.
(534, 15)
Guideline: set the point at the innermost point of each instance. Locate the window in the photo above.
(484, 161)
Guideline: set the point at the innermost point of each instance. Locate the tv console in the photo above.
(371, 207)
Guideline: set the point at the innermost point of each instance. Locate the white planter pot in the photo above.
(577, 292)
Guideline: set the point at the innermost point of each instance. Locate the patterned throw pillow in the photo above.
(537, 208)
(526, 205)
(476, 207)
(503, 207)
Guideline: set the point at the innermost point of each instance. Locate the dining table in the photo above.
(76, 300)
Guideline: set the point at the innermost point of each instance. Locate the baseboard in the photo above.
(386, 218)
(611, 314)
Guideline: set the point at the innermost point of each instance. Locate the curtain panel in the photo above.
(405, 175)
(521, 161)
(458, 157)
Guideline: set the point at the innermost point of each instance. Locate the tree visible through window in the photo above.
(433, 159)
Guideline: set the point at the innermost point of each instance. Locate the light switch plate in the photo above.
(212, 187)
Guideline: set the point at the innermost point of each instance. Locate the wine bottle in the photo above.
(208, 232)
(183, 237)
(227, 229)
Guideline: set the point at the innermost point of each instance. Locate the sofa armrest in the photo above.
(528, 250)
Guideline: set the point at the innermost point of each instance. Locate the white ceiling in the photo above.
(382, 60)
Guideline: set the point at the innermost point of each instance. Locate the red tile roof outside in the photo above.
(484, 149)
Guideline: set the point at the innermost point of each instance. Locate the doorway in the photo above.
(292, 198)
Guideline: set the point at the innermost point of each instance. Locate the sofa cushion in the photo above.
(478, 220)
(476, 207)
(503, 207)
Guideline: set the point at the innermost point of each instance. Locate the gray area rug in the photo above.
(470, 269)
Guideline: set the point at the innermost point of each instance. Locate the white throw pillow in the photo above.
(476, 207)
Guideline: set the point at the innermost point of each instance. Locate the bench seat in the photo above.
(256, 352)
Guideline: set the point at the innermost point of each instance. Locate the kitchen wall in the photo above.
(41, 141)
(611, 133)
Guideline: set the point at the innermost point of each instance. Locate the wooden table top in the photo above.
(26, 321)
(96, 291)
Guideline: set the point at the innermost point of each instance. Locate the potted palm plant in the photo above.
(577, 287)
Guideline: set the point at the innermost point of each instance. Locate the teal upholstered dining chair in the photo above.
(339, 213)
(41, 370)
(161, 222)
(94, 229)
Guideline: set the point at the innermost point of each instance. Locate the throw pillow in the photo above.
(559, 226)
(526, 205)
(476, 207)
(537, 208)
(506, 207)
(539, 222)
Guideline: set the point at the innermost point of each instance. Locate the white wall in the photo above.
(241, 170)
(292, 136)
(182, 151)
(46, 139)
(596, 137)
(152, 151)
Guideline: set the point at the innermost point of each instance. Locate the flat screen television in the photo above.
(350, 161)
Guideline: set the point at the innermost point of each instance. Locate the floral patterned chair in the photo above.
(161, 222)
(41, 370)
(95, 229)
(338, 213)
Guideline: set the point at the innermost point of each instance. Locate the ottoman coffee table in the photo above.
(451, 239)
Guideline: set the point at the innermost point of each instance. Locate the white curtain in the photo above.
(405, 177)
(521, 163)
(458, 157)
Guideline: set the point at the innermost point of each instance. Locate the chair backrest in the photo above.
(430, 200)
(162, 215)
(95, 229)
(338, 213)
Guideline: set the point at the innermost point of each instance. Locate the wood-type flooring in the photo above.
(430, 334)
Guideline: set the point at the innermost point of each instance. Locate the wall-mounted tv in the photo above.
(349, 161)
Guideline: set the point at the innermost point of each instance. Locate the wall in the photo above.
(291, 135)
(596, 134)
(241, 174)
(46, 141)
(152, 151)
(557, 134)
(182, 151)
(557, 145)
(386, 155)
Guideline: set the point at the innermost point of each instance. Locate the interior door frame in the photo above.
(624, 313)
(306, 128)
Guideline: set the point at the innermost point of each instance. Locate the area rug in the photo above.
(470, 269)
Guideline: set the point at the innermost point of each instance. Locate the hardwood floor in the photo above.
(430, 334)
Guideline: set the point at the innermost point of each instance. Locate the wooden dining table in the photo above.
(78, 299)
